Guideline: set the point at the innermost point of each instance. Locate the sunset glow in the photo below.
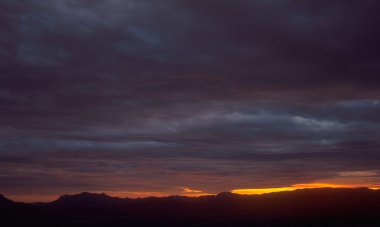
(189, 192)
(259, 191)
(181, 98)
(181, 191)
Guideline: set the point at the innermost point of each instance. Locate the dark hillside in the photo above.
(309, 207)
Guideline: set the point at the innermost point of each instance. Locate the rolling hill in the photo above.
(307, 207)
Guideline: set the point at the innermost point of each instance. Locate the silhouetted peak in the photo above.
(3, 198)
(226, 195)
(363, 189)
(177, 197)
(301, 205)
(84, 197)
(5, 201)
(86, 194)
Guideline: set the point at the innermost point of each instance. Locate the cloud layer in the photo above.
(141, 95)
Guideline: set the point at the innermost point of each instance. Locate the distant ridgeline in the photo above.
(308, 207)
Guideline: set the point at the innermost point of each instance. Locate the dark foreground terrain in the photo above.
(312, 207)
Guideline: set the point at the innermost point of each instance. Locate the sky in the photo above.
(150, 98)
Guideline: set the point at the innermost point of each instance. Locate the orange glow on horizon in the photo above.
(32, 198)
(193, 192)
(189, 192)
(259, 191)
(181, 191)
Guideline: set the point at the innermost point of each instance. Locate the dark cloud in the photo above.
(207, 94)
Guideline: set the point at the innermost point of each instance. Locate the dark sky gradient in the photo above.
(151, 96)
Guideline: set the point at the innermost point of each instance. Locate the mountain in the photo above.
(307, 207)
(85, 199)
(4, 201)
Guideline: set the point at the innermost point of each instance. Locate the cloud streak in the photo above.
(211, 95)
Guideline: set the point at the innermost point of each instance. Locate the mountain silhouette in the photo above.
(307, 207)
(4, 202)
(85, 199)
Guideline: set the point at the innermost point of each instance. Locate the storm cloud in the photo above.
(142, 95)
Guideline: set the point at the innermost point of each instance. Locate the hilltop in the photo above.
(311, 207)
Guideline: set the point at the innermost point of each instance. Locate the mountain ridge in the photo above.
(92, 195)
(348, 206)
(4, 199)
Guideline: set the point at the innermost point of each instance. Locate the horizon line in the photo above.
(240, 192)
